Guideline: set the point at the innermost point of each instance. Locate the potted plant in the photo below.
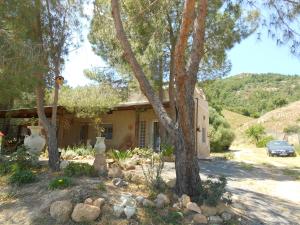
(34, 142)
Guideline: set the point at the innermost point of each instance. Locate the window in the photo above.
(203, 135)
(108, 131)
(142, 134)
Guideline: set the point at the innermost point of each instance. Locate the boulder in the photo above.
(118, 210)
(85, 213)
(209, 210)
(148, 203)
(100, 164)
(61, 210)
(221, 207)
(215, 220)
(171, 183)
(88, 201)
(115, 172)
(63, 164)
(139, 200)
(99, 202)
(185, 199)
(162, 200)
(199, 219)
(192, 206)
(226, 216)
(128, 164)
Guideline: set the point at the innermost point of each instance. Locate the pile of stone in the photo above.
(127, 206)
(88, 211)
(204, 214)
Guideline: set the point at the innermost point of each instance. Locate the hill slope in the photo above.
(253, 94)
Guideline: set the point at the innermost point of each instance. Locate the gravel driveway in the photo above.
(265, 194)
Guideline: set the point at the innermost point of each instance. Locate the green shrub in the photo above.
(213, 190)
(60, 183)
(21, 177)
(5, 167)
(297, 149)
(24, 159)
(167, 150)
(143, 152)
(262, 143)
(80, 169)
(121, 155)
(292, 129)
(72, 152)
(255, 132)
(220, 134)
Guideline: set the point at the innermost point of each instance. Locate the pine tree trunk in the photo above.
(53, 149)
(187, 168)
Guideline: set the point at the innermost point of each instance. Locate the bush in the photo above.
(220, 134)
(5, 167)
(143, 152)
(60, 183)
(80, 169)
(21, 177)
(24, 159)
(72, 152)
(121, 155)
(255, 132)
(262, 143)
(292, 129)
(167, 150)
(213, 190)
(152, 174)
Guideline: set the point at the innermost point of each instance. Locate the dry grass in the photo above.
(235, 120)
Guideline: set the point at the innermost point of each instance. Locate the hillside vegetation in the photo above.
(253, 94)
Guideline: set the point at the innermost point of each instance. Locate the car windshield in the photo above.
(278, 143)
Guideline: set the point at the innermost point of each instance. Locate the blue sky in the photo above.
(250, 56)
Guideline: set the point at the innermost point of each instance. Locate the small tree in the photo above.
(255, 132)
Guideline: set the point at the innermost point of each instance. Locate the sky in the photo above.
(249, 56)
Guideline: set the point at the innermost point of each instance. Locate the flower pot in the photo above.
(35, 142)
(100, 145)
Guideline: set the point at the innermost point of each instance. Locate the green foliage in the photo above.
(21, 177)
(220, 134)
(24, 159)
(255, 132)
(153, 216)
(143, 152)
(80, 169)
(262, 143)
(167, 150)
(72, 152)
(5, 167)
(297, 149)
(292, 129)
(88, 101)
(152, 173)
(213, 191)
(60, 183)
(253, 94)
(121, 155)
(101, 187)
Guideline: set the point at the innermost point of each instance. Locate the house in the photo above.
(130, 124)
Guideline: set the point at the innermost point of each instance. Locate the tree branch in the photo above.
(138, 72)
(197, 51)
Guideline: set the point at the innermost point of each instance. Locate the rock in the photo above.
(127, 200)
(148, 203)
(139, 200)
(61, 210)
(118, 210)
(185, 199)
(137, 179)
(100, 164)
(128, 164)
(171, 183)
(129, 211)
(85, 213)
(199, 219)
(177, 206)
(99, 202)
(162, 200)
(119, 182)
(115, 172)
(226, 216)
(193, 207)
(215, 220)
(209, 210)
(221, 207)
(63, 164)
(88, 201)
